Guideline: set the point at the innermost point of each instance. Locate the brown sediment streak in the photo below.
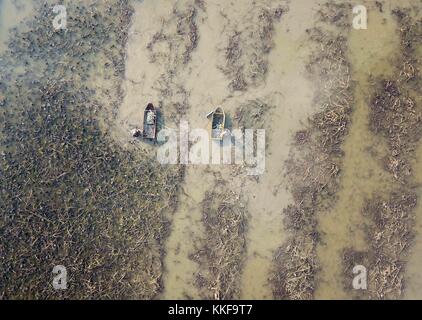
(395, 115)
(313, 169)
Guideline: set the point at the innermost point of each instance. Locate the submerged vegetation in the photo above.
(221, 257)
(69, 195)
(396, 115)
(73, 196)
(253, 114)
(246, 48)
(172, 48)
(313, 170)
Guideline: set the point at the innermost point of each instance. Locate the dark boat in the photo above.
(217, 124)
(150, 123)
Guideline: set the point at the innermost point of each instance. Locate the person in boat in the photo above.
(136, 133)
(150, 117)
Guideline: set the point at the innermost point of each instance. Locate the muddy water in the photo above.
(12, 13)
(370, 53)
(413, 276)
(186, 233)
(141, 74)
(292, 94)
(208, 87)
(286, 87)
(142, 79)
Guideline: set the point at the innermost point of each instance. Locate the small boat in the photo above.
(150, 123)
(217, 124)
